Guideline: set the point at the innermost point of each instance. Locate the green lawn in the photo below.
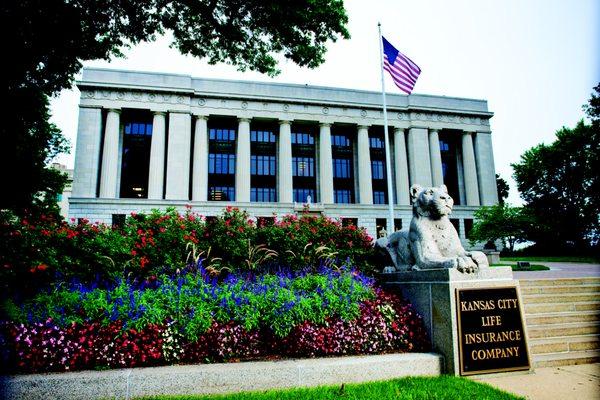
(413, 388)
(532, 267)
(593, 260)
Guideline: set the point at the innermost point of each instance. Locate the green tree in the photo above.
(560, 186)
(503, 188)
(500, 222)
(47, 40)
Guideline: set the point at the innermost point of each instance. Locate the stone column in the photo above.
(469, 170)
(110, 156)
(156, 173)
(325, 164)
(87, 152)
(437, 177)
(178, 156)
(200, 169)
(284, 163)
(242, 162)
(486, 173)
(401, 167)
(418, 157)
(365, 180)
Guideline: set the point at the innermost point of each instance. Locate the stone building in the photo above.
(150, 140)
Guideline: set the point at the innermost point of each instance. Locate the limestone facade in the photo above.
(433, 139)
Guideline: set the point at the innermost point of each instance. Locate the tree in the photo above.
(500, 222)
(47, 40)
(502, 187)
(560, 186)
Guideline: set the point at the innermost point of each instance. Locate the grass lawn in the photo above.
(576, 259)
(532, 267)
(413, 388)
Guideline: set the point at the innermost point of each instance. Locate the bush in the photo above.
(35, 253)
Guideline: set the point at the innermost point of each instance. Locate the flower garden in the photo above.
(168, 288)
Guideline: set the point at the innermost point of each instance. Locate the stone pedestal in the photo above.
(432, 294)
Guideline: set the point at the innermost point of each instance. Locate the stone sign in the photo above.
(490, 331)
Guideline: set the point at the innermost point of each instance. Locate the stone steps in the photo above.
(563, 320)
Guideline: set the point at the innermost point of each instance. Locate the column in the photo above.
(486, 173)
(325, 164)
(178, 156)
(284, 163)
(401, 167)
(200, 170)
(156, 173)
(242, 162)
(418, 157)
(365, 181)
(437, 177)
(87, 152)
(469, 170)
(110, 156)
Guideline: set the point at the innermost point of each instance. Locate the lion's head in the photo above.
(433, 202)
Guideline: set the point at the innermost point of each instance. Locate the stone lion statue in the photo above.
(431, 242)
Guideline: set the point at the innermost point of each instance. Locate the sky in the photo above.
(535, 62)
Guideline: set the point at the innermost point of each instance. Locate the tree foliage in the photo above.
(502, 188)
(501, 222)
(47, 40)
(560, 186)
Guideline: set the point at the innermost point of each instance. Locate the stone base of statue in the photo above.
(474, 320)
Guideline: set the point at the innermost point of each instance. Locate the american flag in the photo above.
(404, 72)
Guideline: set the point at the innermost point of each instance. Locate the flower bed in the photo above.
(193, 318)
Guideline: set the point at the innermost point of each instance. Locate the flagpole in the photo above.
(388, 164)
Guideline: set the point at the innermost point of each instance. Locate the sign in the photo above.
(490, 331)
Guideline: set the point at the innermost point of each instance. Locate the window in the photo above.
(350, 222)
(379, 197)
(342, 196)
(135, 156)
(380, 226)
(377, 169)
(397, 224)
(221, 193)
(221, 164)
(340, 141)
(262, 165)
(455, 223)
(342, 168)
(376, 142)
(468, 227)
(301, 195)
(222, 135)
(262, 136)
(303, 166)
(266, 194)
(264, 221)
(302, 138)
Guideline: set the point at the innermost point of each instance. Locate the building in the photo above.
(63, 198)
(149, 140)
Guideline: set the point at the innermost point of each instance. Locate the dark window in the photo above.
(263, 162)
(340, 141)
(380, 225)
(135, 162)
(468, 227)
(343, 163)
(262, 136)
(376, 142)
(264, 221)
(221, 159)
(221, 193)
(455, 223)
(303, 138)
(378, 169)
(449, 149)
(118, 219)
(397, 224)
(303, 162)
(350, 221)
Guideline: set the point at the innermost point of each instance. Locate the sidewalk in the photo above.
(560, 270)
(574, 382)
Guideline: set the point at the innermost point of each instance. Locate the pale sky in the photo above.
(534, 61)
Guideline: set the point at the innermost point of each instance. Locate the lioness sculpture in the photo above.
(431, 242)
